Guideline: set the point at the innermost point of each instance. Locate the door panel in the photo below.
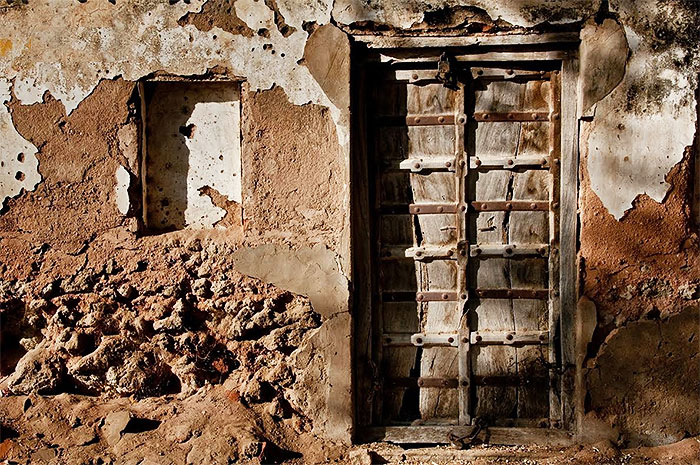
(464, 226)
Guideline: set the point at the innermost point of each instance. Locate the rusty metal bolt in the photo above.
(445, 296)
(417, 165)
(508, 250)
(477, 251)
(450, 340)
(510, 162)
(543, 161)
(478, 338)
(509, 71)
(541, 338)
(486, 116)
(461, 120)
(419, 340)
(419, 297)
(463, 208)
(450, 253)
(533, 206)
(419, 253)
(509, 336)
(484, 206)
(509, 293)
(414, 76)
(465, 340)
(480, 72)
(417, 119)
(477, 162)
(509, 205)
(448, 164)
(441, 119)
(416, 209)
(421, 382)
(463, 296)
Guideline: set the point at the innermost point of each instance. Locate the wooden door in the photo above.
(464, 234)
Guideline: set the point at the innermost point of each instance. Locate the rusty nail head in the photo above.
(533, 206)
(509, 336)
(445, 296)
(416, 209)
(511, 116)
(484, 206)
(541, 337)
(419, 340)
(477, 251)
(450, 253)
(486, 116)
(440, 209)
(419, 253)
(477, 162)
(509, 250)
(509, 293)
(417, 120)
(420, 382)
(543, 161)
(416, 165)
(448, 164)
(509, 71)
(509, 205)
(419, 297)
(510, 162)
(450, 340)
(479, 72)
(478, 338)
(441, 119)
(462, 120)
(463, 208)
(464, 296)
(465, 340)
(555, 205)
(415, 76)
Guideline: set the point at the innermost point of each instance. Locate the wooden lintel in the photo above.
(556, 38)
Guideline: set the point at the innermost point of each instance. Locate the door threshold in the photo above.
(439, 435)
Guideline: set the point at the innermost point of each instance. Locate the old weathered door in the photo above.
(464, 162)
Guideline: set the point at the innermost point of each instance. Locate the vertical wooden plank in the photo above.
(568, 261)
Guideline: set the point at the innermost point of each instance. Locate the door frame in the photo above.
(561, 48)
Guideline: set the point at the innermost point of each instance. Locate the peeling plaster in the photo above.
(19, 167)
(122, 189)
(631, 148)
(132, 40)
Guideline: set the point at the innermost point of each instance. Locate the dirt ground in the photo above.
(214, 426)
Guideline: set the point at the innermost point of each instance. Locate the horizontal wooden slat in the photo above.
(508, 250)
(428, 253)
(512, 205)
(416, 165)
(439, 296)
(446, 119)
(423, 382)
(508, 73)
(509, 337)
(541, 294)
(508, 163)
(487, 117)
(427, 339)
(434, 208)
(439, 435)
